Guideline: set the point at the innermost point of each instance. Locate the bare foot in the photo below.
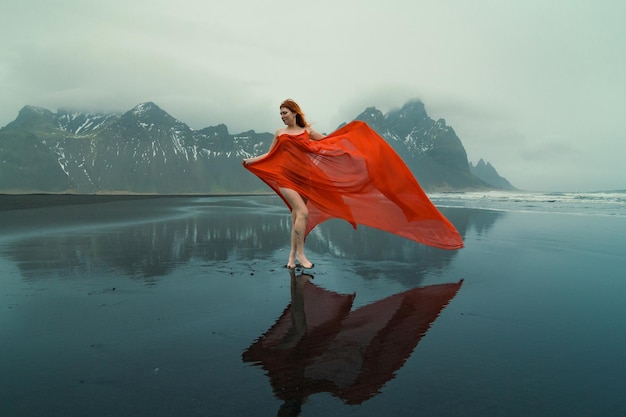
(291, 263)
(306, 264)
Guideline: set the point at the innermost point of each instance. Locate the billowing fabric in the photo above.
(353, 174)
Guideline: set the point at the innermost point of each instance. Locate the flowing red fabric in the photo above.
(353, 174)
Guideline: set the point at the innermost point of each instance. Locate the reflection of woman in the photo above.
(305, 327)
(352, 174)
(296, 127)
(319, 345)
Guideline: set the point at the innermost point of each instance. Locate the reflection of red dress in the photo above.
(351, 354)
(353, 174)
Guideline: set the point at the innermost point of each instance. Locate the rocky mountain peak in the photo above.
(486, 172)
(33, 117)
(372, 116)
(149, 113)
(148, 121)
(142, 109)
(481, 164)
(412, 109)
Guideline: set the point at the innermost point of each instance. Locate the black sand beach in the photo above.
(179, 306)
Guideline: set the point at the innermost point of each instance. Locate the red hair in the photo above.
(293, 106)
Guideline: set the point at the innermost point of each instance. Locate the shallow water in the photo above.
(179, 306)
(607, 203)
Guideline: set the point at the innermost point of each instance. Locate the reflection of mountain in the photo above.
(319, 345)
(145, 237)
(213, 230)
(467, 220)
(378, 247)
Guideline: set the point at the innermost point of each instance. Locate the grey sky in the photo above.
(535, 87)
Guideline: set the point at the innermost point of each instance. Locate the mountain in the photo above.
(145, 150)
(486, 172)
(430, 148)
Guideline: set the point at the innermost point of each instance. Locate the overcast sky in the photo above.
(534, 87)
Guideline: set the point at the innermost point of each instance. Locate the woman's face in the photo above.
(288, 117)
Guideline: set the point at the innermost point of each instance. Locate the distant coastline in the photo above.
(42, 200)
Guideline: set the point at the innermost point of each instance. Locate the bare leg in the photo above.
(299, 216)
(298, 317)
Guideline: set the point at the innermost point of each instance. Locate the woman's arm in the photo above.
(248, 161)
(314, 135)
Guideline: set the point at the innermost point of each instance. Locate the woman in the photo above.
(352, 174)
(295, 125)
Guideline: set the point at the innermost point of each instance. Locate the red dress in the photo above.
(353, 174)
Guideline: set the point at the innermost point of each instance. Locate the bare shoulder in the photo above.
(279, 131)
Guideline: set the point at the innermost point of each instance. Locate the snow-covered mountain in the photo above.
(145, 150)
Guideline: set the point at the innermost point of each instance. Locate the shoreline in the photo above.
(598, 203)
(10, 202)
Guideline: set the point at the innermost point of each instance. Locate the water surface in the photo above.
(179, 306)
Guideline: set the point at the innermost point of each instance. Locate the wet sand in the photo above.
(179, 306)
